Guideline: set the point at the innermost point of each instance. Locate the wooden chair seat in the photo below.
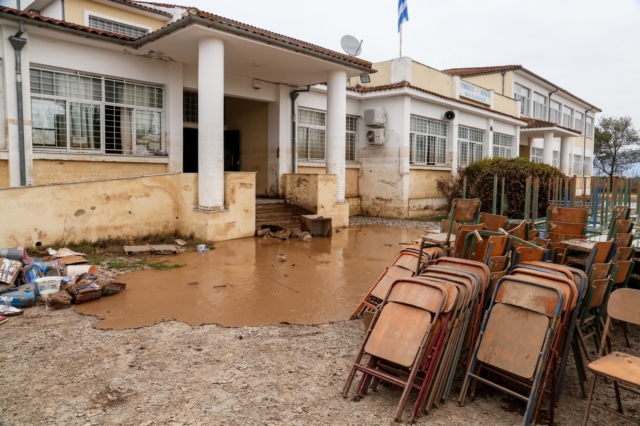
(618, 366)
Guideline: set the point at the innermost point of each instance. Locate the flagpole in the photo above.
(401, 41)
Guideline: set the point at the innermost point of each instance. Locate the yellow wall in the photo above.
(74, 12)
(124, 208)
(431, 79)
(505, 105)
(422, 183)
(4, 173)
(590, 144)
(382, 77)
(54, 171)
(251, 119)
(352, 177)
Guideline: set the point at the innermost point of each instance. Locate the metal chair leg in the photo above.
(589, 399)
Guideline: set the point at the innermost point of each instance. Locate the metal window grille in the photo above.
(555, 160)
(470, 145)
(502, 145)
(351, 138)
(536, 155)
(189, 107)
(577, 164)
(116, 27)
(311, 135)
(539, 106)
(127, 119)
(428, 141)
(522, 94)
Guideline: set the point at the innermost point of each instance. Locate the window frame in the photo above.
(309, 126)
(577, 164)
(589, 125)
(433, 142)
(69, 99)
(474, 149)
(135, 25)
(540, 109)
(498, 140)
(537, 155)
(525, 107)
(566, 116)
(578, 124)
(555, 115)
(349, 132)
(555, 159)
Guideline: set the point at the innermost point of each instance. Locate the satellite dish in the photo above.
(351, 45)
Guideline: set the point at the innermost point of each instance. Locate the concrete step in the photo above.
(269, 215)
(276, 208)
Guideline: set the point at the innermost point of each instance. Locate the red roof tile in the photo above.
(534, 123)
(463, 72)
(369, 89)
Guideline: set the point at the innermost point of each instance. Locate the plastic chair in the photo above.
(620, 368)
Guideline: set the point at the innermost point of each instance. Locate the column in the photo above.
(336, 128)
(488, 144)
(453, 160)
(547, 150)
(211, 125)
(174, 118)
(280, 150)
(565, 155)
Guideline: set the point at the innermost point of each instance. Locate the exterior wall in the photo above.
(55, 171)
(431, 79)
(4, 173)
(124, 208)
(494, 82)
(505, 105)
(251, 119)
(316, 193)
(75, 12)
(382, 77)
(424, 198)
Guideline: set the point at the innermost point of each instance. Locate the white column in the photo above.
(453, 160)
(211, 124)
(336, 128)
(488, 144)
(279, 153)
(565, 155)
(547, 150)
(174, 126)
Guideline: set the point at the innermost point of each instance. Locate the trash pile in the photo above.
(278, 233)
(59, 278)
(506, 308)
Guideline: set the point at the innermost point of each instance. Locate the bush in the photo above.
(515, 171)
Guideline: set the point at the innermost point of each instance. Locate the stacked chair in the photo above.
(564, 223)
(418, 331)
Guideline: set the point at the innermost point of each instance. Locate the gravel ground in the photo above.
(406, 223)
(59, 370)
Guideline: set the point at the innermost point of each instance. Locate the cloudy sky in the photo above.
(588, 47)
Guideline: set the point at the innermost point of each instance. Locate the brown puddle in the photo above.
(241, 282)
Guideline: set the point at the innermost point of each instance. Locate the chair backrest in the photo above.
(567, 228)
(625, 253)
(599, 291)
(461, 238)
(427, 297)
(622, 227)
(624, 268)
(623, 240)
(620, 212)
(566, 214)
(519, 231)
(541, 242)
(477, 268)
(445, 226)
(623, 305)
(601, 252)
(395, 272)
(490, 246)
(494, 222)
(562, 281)
(529, 254)
(498, 263)
(599, 271)
(466, 209)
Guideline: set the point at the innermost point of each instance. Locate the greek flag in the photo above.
(403, 13)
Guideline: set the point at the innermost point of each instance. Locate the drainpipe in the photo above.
(584, 150)
(549, 111)
(294, 95)
(503, 74)
(18, 43)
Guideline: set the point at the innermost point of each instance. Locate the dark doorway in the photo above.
(190, 151)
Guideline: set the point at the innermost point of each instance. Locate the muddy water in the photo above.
(241, 282)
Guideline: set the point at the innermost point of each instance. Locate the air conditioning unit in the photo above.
(375, 137)
(375, 117)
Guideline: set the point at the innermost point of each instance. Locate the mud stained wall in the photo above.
(424, 198)
(251, 119)
(352, 177)
(4, 173)
(54, 171)
(316, 193)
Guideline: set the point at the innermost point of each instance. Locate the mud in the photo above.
(241, 283)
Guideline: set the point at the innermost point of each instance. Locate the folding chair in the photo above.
(399, 334)
(516, 337)
(463, 211)
(602, 252)
(622, 369)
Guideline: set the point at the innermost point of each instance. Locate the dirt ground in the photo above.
(57, 369)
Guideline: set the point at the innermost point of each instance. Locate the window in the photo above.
(578, 123)
(428, 141)
(522, 95)
(539, 107)
(555, 161)
(69, 113)
(189, 107)
(577, 164)
(567, 117)
(116, 27)
(589, 126)
(470, 145)
(587, 166)
(311, 135)
(536, 155)
(502, 145)
(555, 112)
(351, 138)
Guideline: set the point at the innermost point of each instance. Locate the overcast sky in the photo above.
(588, 47)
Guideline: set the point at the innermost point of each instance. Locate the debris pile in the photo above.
(59, 278)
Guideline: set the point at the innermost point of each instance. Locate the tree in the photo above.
(616, 146)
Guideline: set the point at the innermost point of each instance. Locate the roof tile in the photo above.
(464, 72)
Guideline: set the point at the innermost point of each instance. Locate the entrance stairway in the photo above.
(271, 211)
